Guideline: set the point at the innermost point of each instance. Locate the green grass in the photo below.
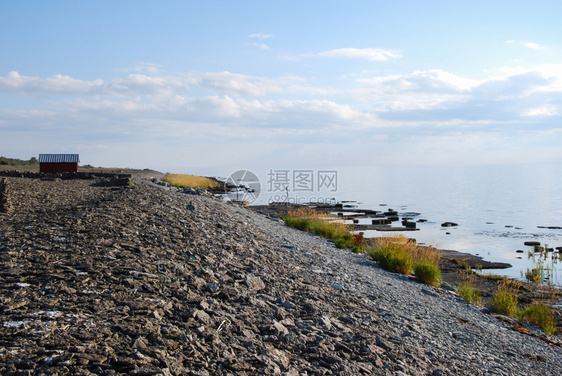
(321, 224)
(469, 293)
(392, 257)
(400, 255)
(541, 315)
(505, 301)
(427, 271)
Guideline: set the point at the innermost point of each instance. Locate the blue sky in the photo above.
(210, 86)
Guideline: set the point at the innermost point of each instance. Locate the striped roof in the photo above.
(59, 158)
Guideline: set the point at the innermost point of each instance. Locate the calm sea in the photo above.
(497, 207)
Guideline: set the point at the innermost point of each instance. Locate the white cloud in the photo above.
(423, 90)
(427, 81)
(372, 54)
(534, 46)
(221, 106)
(550, 72)
(547, 110)
(113, 107)
(196, 107)
(141, 84)
(246, 85)
(150, 68)
(159, 87)
(260, 36)
(325, 107)
(57, 83)
(262, 46)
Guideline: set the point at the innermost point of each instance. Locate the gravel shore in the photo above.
(102, 278)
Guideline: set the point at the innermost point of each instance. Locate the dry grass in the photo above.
(193, 181)
(416, 252)
(20, 167)
(426, 253)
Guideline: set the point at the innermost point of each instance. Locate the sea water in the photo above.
(497, 208)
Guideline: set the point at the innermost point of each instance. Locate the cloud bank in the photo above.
(432, 112)
(371, 54)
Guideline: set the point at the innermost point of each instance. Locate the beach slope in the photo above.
(105, 277)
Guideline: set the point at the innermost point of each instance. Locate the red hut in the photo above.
(57, 163)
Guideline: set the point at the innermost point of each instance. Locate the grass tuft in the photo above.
(391, 256)
(541, 315)
(399, 254)
(534, 275)
(427, 271)
(505, 301)
(469, 293)
(462, 263)
(321, 224)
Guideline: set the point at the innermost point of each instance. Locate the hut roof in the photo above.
(59, 158)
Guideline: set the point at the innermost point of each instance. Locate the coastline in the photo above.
(457, 267)
(106, 278)
(473, 261)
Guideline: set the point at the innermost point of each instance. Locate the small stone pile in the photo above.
(137, 280)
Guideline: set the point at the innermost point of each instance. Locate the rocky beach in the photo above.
(107, 275)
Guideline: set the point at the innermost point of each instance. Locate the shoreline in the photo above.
(456, 267)
(474, 261)
(106, 278)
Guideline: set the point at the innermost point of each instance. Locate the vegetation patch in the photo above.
(399, 254)
(427, 271)
(358, 243)
(322, 224)
(505, 301)
(541, 315)
(31, 165)
(468, 292)
(391, 256)
(494, 277)
(534, 275)
(193, 181)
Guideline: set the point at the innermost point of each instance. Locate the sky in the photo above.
(210, 86)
